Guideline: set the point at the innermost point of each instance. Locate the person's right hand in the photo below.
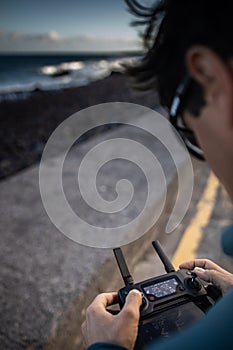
(102, 326)
(210, 272)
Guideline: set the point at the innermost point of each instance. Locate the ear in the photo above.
(215, 77)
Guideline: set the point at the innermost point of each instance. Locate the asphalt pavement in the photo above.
(47, 280)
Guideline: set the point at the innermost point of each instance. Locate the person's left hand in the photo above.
(101, 326)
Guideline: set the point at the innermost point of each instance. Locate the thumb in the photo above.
(132, 305)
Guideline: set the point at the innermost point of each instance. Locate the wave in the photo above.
(60, 76)
(62, 69)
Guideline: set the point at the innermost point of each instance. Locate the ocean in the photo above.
(22, 74)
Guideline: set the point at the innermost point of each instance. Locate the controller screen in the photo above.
(162, 289)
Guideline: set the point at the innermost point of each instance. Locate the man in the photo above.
(190, 61)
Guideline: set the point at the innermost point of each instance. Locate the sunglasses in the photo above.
(177, 121)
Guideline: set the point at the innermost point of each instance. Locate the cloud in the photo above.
(51, 36)
(54, 36)
(17, 36)
(5, 34)
(53, 41)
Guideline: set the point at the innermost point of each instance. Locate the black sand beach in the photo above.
(25, 125)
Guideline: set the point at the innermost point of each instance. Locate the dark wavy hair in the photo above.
(171, 28)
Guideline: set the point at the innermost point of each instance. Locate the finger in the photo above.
(211, 276)
(83, 327)
(104, 300)
(84, 331)
(132, 305)
(202, 263)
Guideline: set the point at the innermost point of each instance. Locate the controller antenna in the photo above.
(128, 279)
(166, 262)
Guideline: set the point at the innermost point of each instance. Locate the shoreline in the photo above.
(26, 124)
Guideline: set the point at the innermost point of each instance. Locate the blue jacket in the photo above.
(213, 332)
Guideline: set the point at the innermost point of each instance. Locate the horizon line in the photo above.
(70, 52)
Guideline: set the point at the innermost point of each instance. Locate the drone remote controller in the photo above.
(170, 302)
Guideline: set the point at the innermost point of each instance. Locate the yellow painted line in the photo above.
(193, 234)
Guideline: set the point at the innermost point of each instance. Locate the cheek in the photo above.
(215, 139)
(213, 149)
(205, 135)
(211, 146)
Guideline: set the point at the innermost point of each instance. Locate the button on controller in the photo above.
(144, 302)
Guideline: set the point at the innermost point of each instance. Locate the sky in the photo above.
(66, 25)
